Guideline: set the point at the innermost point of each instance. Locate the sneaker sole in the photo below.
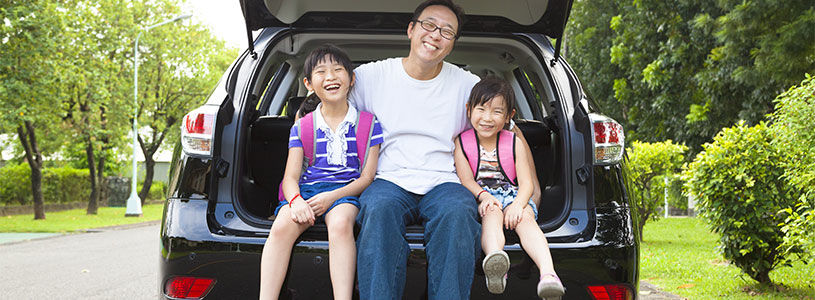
(496, 266)
(550, 291)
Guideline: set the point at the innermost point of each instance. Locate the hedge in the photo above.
(59, 185)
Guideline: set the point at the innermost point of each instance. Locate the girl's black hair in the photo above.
(488, 88)
(308, 105)
(327, 52)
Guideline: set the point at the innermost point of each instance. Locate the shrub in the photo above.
(736, 183)
(66, 184)
(157, 191)
(648, 163)
(795, 136)
(15, 184)
(59, 185)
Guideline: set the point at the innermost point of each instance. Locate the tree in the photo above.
(736, 183)
(795, 136)
(98, 75)
(30, 85)
(175, 77)
(648, 162)
(589, 45)
(660, 47)
(762, 48)
(684, 69)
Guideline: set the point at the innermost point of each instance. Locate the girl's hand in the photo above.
(300, 212)
(513, 215)
(321, 202)
(488, 203)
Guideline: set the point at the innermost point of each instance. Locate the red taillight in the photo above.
(196, 123)
(188, 287)
(611, 292)
(197, 130)
(609, 139)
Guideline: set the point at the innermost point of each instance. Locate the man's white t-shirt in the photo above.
(419, 118)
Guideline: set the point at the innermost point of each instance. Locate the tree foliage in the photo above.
(648, 163)
(794, 133)
(684, 69)
(67, 71)
(736, 183)
(31, 75)
(173, 78)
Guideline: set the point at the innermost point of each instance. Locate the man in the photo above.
(420, 102)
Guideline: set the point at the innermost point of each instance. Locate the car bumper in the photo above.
(189, 248)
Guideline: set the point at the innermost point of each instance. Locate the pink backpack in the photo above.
(365, 128)
(506, 152)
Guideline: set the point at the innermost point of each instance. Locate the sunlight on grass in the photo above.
(76, 219)
(679, 255)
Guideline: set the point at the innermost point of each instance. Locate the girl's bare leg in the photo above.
(276, 253)
(492, 232)
(534, 242)
(342, 250)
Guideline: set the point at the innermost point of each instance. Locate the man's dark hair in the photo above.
(446, 3)
(489, 88)
(327, 52)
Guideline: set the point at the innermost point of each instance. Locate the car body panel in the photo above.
(608, 255)
(524, 16)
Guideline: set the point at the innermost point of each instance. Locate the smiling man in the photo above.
(420, 102)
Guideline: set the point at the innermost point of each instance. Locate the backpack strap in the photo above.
(365, 129)
(506, 155)
(469, 145)
(307, 137)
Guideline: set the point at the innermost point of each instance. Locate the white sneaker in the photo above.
(496, 265)
(550, 287)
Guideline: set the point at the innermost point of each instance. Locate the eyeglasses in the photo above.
(430, 26)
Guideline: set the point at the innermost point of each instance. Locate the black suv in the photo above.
(226, 170)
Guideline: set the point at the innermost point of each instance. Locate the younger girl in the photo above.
(336, 174)
(485, 165)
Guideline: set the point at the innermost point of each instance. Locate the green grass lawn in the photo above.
(679, 255)
(76, 219)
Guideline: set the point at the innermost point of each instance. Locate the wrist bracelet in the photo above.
(479, 195)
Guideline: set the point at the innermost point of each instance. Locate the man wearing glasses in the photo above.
(420, 102)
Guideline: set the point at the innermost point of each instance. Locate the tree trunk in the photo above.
(102, 199)
(149, 170)
(763, 277)
(92, 202)
(28, 138)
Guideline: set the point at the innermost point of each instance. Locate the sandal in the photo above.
(496, 265)
(550, 287)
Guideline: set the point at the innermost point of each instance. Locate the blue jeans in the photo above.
(449, 215)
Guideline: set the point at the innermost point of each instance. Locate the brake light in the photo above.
(611, 292)
(608, 141)
(197, 130)
(183, 287)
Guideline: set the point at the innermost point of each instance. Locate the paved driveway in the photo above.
(116, 263)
